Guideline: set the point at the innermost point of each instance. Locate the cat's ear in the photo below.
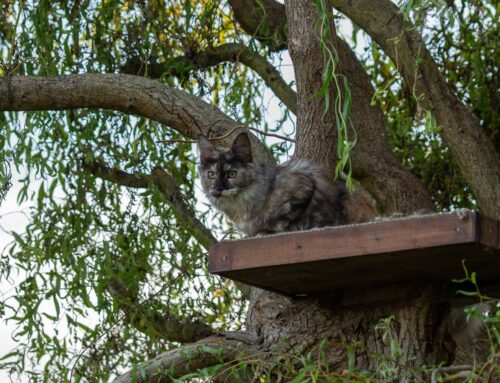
(206, 150)
(242, 149)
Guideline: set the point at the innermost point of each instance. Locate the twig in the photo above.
(450, 369)
(218, 138)
(178, 141)
(273, 135)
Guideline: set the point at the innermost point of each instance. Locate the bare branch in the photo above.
(178, 362)
(471, 149)
(230, 52)
(169, 189)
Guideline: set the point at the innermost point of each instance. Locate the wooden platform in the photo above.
(412, 249)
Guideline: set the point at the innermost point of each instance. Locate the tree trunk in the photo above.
(313, 125)
(374, 164)
(350, 318)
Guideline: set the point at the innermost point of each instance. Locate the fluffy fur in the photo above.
(263, 199)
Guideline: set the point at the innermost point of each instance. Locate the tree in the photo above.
(116, 237)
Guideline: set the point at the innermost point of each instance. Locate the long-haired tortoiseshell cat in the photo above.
(265, 199)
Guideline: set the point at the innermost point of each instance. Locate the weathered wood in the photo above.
(417, 249)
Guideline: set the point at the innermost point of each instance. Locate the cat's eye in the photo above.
(231, 174)
(211, 174)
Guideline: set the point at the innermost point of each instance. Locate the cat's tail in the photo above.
(359, 206)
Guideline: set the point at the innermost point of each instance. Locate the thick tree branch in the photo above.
(170, 191)
(374, 163)
(471, 148)
(179, 110)
(181, 361)
(230, 52)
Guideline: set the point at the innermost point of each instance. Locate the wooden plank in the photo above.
(343, 242)
(423, 248)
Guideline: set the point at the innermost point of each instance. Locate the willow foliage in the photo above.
(99, 263)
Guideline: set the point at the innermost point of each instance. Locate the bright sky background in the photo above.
(12, 218)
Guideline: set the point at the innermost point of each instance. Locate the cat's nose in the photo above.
(216, 193)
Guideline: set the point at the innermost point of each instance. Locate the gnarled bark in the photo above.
(297, 325)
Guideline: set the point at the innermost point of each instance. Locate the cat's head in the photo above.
(225, 173)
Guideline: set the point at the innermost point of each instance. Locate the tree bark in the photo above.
(298, 325)
(315, 128)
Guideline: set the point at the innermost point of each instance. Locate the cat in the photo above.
(264, 199)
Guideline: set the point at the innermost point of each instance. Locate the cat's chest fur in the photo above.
(247, 210)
